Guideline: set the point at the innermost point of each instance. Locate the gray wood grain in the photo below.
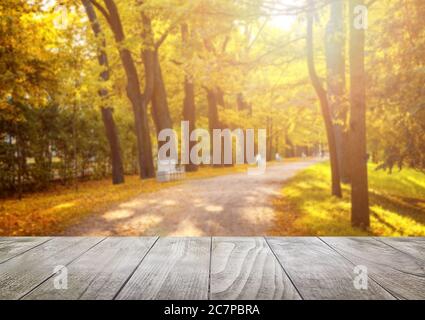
(100, 272)
(13, 246)
(399, 273)
(319, 272)
(246, 268)
(23, 273)
(413, 246)
(241, 268)
(175, 268)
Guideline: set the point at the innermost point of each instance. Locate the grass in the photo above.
(51, 212)
(397, 204)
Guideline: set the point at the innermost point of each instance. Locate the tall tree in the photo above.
(189, 108)
(358, 154)
(242, 104)
(323, 99)
(138, 101)
(213, 115)
(215, 95)
(160, 110)
(153, 74)
(107, 112)
(335, 61)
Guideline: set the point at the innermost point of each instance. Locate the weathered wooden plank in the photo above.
(21, 274)
(100, 272)
(397, 272)
(13, 246)
(413, 246)
(319, 272)
(246, 268)
(175, 268)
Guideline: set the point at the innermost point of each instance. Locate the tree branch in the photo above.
(102, 10)
(257, 35)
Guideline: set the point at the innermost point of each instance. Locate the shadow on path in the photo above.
(235, 204)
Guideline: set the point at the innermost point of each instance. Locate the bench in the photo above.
(169, 170)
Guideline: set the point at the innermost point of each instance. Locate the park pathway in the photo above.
(235, 204)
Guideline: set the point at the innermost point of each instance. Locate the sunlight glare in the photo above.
(283, 21)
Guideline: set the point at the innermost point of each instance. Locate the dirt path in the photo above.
(236, 204)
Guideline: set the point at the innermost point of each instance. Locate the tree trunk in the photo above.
(189, 114)
(155, 90)
(359, 180)
(189, 108)
(220, 97)
(289, 148)
(144, 146)
(242, 104)
(277, 143)
(269, 138)
(21, 159)
(335, 60)
(160, 111)
(75, 146)
(213, 117)
(214, 120)
(107, 113)
(112, 135)
(321, 93)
